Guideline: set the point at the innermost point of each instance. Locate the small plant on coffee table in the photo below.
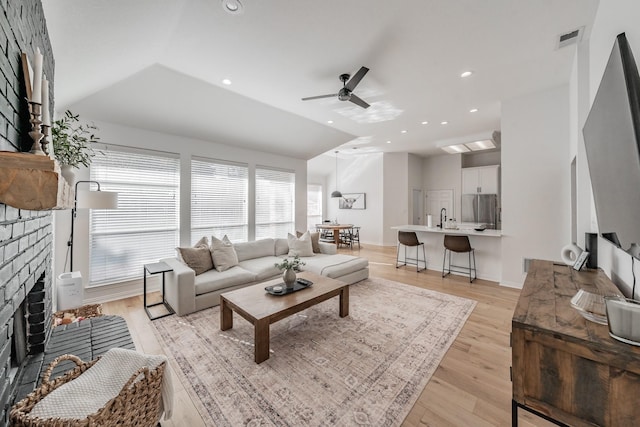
(290, 264)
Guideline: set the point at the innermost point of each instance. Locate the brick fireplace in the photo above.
(25, 236)
(26, 293)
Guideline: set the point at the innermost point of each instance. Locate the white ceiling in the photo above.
(159, 65)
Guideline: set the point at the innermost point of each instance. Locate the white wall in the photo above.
(613, 17)
(396, 195)
(535, 179)
(186, 148)
(359, 174)
(416, 182)
(444, 172)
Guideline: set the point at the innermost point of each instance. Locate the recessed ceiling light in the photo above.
(425, 123)
(444, 123)
(233, 7)
(226, 82)
(466, 74)
(330, 121)
(403, 131)
(473, 110)
(388, 142)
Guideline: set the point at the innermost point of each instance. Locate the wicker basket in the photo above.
(138, 404)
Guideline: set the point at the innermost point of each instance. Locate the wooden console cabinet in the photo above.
(566, 368)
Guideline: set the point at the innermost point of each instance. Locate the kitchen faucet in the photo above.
(445, 217)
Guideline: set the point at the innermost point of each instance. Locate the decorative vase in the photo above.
(68, 174)
(289, 277)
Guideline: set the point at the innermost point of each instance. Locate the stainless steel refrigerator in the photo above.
(480, 209)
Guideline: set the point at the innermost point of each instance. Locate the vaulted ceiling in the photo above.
(159, 65)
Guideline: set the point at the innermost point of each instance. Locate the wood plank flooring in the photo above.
(471, 387)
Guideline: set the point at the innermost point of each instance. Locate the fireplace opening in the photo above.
(19, 348)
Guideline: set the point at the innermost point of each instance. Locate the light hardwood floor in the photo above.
(471, 387)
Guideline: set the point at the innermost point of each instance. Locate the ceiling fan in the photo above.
(346, 93)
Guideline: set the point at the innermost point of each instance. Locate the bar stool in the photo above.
(459, 244)
(409, 238)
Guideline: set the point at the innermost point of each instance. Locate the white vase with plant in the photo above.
(72, 143)
(289, 266)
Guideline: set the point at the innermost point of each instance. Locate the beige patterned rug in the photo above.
(365, 369)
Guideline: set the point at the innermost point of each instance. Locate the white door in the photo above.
(417, 207)
(489, 180)
(470, 181)
(438, 199)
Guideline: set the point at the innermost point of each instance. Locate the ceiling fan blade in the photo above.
(358, 101)
(351, 84)
(320, 97)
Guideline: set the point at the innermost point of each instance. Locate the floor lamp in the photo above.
(89, 200)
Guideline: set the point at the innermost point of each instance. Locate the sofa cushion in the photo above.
(300, 246)
(334, 266)
(282, 247)
(223, 254)
(214, 280)
(203, 242)
(198, 259)
(315, 240)
(263, 268)
(255, 249)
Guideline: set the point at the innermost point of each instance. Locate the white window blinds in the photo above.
(275, 203)
(314, 206)
(144, 228)
(219, 193)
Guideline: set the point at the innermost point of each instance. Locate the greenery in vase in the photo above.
(72, 140)
(288, 264)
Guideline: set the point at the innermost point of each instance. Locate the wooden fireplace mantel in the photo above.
(28, 181)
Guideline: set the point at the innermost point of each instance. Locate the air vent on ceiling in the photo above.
(571, 37)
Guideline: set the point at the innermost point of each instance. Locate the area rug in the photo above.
(365, 369)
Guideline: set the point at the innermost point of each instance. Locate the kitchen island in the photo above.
(487, 245)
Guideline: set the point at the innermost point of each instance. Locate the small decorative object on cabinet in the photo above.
(566, 368)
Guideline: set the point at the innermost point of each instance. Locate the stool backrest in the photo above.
(457, 243)
(408, 238)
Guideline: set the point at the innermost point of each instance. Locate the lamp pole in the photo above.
(74, 212)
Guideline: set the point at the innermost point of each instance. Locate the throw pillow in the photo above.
(203, 242)
(198, 259)
(315, 241)
(300, 247)
(223, 253)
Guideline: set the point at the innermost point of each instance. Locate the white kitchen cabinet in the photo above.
(481, 180)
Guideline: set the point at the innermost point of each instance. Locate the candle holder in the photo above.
(44, 142)
(36, 135)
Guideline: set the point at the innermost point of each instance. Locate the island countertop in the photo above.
(461, 230)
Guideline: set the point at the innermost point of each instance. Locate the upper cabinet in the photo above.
(481, 180)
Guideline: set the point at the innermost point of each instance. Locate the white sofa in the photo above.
(187, 293)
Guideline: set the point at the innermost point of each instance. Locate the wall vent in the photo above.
(570, 37)
(525, 264)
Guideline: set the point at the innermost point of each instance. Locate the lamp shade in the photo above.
(336, 194)
(97, 199)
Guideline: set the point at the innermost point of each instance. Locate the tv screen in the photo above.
(613, 149)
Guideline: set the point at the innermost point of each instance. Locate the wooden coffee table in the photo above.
(262, 309)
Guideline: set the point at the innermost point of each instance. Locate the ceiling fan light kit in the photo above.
(346, 93)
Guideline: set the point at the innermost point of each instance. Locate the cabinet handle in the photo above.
(479, 189)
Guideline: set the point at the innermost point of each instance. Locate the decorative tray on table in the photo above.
(281, 289)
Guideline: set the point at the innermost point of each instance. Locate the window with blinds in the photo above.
(314, 206)
(275, 203)
(145, 226)
(219, 193)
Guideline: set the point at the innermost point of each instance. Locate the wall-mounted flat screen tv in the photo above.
(611, 137)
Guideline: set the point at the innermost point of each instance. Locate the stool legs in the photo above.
(466, 270)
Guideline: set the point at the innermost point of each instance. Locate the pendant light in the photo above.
(336, 193)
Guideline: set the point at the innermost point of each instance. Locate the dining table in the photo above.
(335, 228)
